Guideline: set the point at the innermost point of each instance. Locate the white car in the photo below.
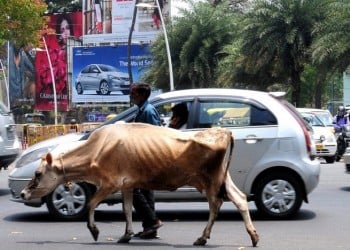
(325, 140)
(273, 163)
(9, 143)
(323, 114)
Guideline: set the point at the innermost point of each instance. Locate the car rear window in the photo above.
(232, 114)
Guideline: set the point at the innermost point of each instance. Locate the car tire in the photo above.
(330, 159)
(104, 88)
(278, 195)
(79, 89)
(126, 92)
(69, 204)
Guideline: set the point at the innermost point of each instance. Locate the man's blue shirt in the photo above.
(148, 114)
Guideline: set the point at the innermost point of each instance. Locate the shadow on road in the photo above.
(165, 215)
(346, 189)
(4, 192)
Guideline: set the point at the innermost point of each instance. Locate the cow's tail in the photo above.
(226, 166)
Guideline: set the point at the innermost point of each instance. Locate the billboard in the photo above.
(100, 74)
(21, 76)
(110, 21)
(64, 26)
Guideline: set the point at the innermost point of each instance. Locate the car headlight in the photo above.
(33, 156)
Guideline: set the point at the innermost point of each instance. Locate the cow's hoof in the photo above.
(200, 242)
(255, 239)
(94, 232)
(125, 238)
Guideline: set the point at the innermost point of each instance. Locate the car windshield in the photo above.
(325, 118)
(313, 120)
(107, 68)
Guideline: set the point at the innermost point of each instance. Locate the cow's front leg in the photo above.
(127, 208)
(214, 207)
(91, 222)
(95, 200)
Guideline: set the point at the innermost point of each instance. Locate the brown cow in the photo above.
(122, 157)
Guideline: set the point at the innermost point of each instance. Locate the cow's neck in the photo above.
(75, 165)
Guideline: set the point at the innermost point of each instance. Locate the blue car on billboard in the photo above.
(103, 79)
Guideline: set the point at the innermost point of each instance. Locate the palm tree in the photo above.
(331, 47)
(195, 40)
(276, 38)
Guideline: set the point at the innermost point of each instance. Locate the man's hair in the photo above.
(180, 110)
(143, 89)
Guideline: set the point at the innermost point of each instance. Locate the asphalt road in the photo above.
(324, 223)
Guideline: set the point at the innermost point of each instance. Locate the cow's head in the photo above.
(46, 178)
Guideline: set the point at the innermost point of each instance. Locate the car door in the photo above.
(253, 126)
(93, 78)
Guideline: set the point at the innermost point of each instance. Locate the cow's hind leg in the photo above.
(95, 200)
(240, 200)
(127, 208)
(214, 206)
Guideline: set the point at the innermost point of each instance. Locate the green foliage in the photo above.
(21, 21)
(332, 45)
(195, 41)
(276, 39)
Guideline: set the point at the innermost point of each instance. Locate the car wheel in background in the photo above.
(330, 159)
(104, 88)
(69, 203)
(278, 195)
(79, 89)
(125, 92)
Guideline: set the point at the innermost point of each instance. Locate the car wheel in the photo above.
(104, 88)
(278, 195)
(330, 159)
(68, 204)
(79, 89)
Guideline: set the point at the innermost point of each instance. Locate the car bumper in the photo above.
(323, 149)
(16, 186)
(313, 177)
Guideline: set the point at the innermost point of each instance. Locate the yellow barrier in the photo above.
(33, 133)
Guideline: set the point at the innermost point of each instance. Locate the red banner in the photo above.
(65, 26)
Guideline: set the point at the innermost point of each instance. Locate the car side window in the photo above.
(165, 112)
(232, 114)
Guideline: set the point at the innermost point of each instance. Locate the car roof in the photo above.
(216, 92)
(313, 110)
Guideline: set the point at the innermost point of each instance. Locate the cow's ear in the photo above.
(49, 159)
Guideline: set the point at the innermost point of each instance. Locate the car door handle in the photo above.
(251, 139)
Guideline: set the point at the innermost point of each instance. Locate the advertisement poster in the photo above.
(65, 26)
(110, 21)
(100, 74)
(21, 77)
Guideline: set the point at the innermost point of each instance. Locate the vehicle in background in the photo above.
(9, 143)
(323, 114)
(273, 163)
(35, 118)
(103, 79)
(325, 141)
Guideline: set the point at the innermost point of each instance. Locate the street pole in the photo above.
(53, 80)
(171, 76)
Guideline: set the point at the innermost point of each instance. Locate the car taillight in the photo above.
(308, 140)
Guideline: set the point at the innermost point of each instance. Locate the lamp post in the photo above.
(52, 78)
(171, 75)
